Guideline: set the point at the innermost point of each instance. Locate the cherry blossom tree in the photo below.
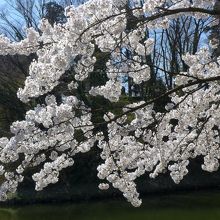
(137, 139)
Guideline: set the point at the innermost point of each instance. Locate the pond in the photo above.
(195, 206)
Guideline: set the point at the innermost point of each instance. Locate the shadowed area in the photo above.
(200, 205)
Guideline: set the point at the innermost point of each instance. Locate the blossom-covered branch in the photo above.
(112, 38)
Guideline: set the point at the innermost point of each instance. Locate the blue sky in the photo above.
(2, 2)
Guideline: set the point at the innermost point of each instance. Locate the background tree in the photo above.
(54, 13)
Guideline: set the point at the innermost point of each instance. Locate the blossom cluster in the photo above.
(47, 133)
(135, 142)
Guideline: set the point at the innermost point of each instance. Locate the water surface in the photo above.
(190, 206)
